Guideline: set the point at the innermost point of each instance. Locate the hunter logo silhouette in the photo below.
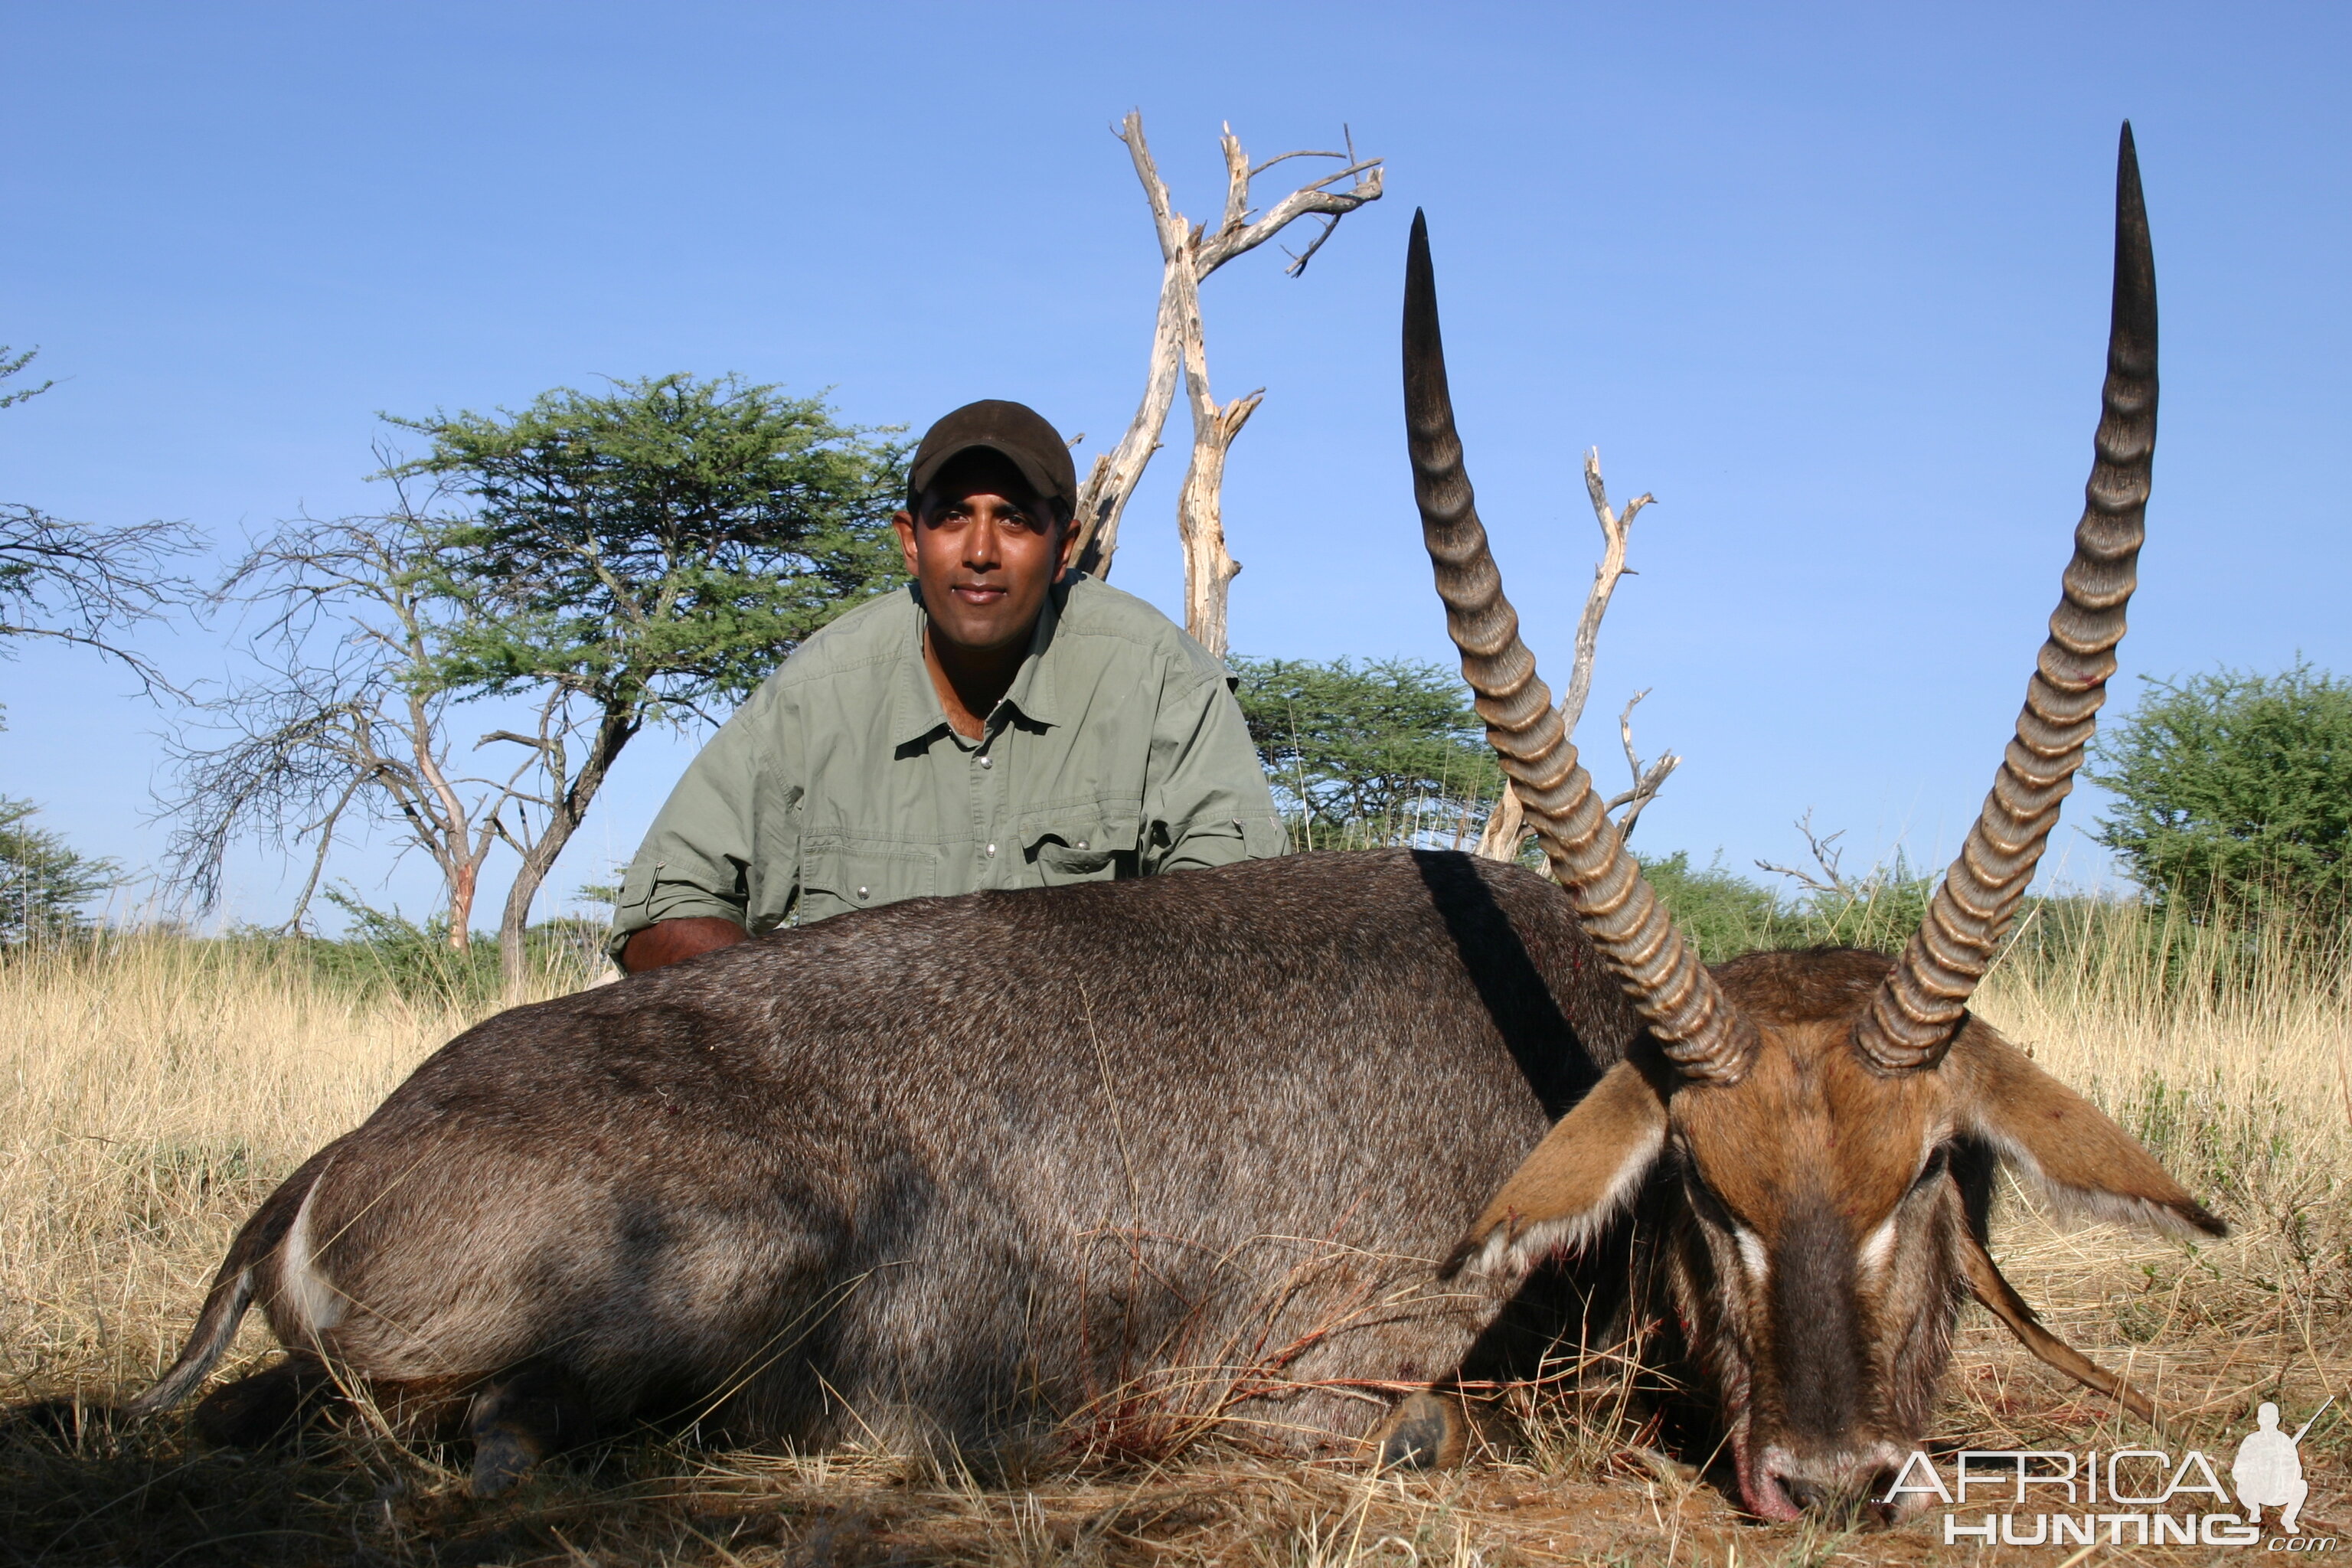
(2268, 1471)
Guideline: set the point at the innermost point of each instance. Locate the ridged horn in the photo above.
(1912, 1020)
(1697, 1025)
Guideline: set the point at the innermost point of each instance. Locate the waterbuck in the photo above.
(1808, 1139)
(1091, 1161)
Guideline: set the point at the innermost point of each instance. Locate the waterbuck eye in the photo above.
(1933, 1171)
(1709, 1207)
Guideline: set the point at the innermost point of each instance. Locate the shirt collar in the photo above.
(1033, 688)
(916, 711)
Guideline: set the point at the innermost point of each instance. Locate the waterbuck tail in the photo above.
(232, 1292)
(1697, 1026)
(1912, 1020)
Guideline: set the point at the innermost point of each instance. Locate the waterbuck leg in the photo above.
(1428, 1430)
(520, 1417)
(264, 1408)
(2003, 1300)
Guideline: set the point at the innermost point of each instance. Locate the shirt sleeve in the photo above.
(698, 858)
(1207, 801)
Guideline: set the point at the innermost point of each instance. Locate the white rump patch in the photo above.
(310, 1296)
(1507, 1255)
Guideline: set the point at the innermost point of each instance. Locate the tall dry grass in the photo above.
(2226, 1047)
(153, 1089)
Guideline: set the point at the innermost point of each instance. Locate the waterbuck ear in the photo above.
(1586, 1168)
(2062, 1143)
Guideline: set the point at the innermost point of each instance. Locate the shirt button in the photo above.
(991, 849)
(861, 893)
(986, 760)
(1082, 843)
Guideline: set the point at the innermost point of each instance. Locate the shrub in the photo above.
(45, 883)
(2235, 790)
(1721, 912)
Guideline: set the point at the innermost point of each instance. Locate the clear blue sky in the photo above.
(1830, 281)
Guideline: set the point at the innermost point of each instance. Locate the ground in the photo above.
(1552, 1491)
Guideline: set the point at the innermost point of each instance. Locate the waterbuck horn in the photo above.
(1700, 1031)
(1913, 1019)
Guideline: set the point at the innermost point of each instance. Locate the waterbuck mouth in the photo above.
(1778, 1486)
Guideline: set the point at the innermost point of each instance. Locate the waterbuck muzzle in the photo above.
(1811, 1137)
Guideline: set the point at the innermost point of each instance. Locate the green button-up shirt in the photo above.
(1119, 751)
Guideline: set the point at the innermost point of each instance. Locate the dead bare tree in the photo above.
(1506, 829)
(342, 722)
(1189, 253)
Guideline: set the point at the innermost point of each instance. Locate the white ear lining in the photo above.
(1508, 1254)
(2096, 1202)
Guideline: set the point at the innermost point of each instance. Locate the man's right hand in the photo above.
(668, 942)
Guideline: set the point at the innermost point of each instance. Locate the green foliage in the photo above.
(2235, 789)
(1719, 911)
(1387, 751)
(45, 883)
(1724, 913)
(12, 363)
(661, 545)
(2208, 1135)
(382, 951)
(1881, 911)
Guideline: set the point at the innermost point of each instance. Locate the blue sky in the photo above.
(1829, 281)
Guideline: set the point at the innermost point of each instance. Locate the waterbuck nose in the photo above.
(1842, 1491)
(1812, 1496)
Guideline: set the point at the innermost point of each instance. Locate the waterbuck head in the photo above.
(1819, 1129)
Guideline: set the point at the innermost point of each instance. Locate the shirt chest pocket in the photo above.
(841, 874)
(1088, 842)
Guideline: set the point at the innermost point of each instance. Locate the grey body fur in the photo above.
(961, 1169)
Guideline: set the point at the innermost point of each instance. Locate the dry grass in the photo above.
(150, 1093)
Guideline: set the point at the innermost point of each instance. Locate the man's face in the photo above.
(986, 550)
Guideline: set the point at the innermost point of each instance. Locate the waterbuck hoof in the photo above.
(1426, 1431)
(262, 1409)
(501, 1462)
(518, 1420)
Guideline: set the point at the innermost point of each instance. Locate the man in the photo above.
(1001, 724)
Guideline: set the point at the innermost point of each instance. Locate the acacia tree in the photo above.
(1387, 751)
(1189, 252)
(78, 582)
(642, 556)
(344, 720)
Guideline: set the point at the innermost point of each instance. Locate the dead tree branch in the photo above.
(75, 583)
(1827, 856)
(1189, 253)
(1615, 527)
(1506, 825)
(1647, 777)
